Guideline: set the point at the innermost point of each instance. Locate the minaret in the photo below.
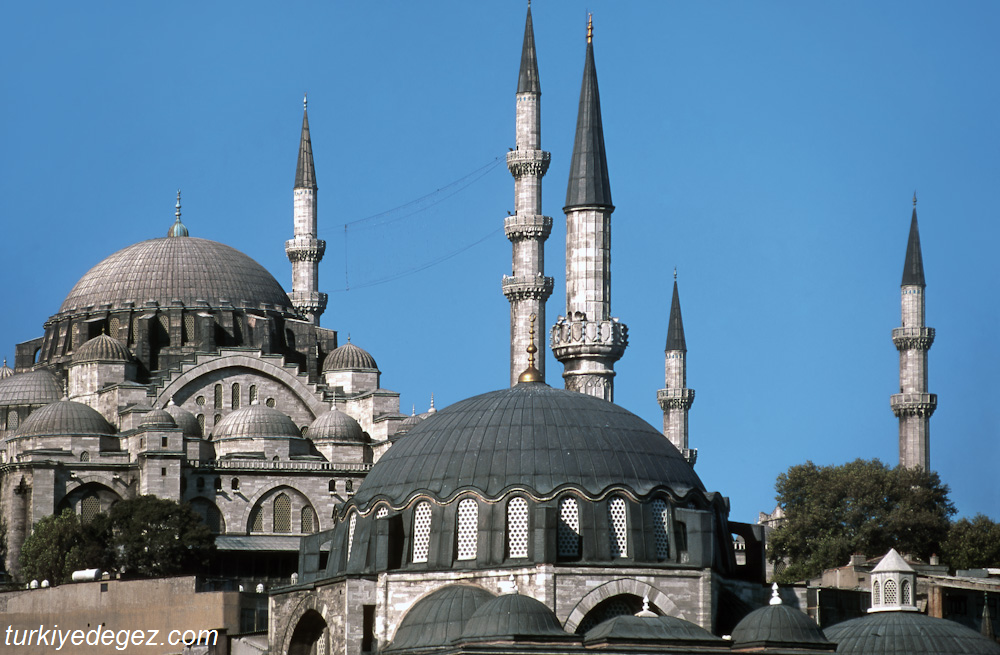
(676, 399)
(588, 341)
(913, 405)
(527, 288)
(304, 250)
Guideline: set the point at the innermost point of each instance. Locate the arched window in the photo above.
(308, 520)
(468, 523)
(661, 518)
(282, 514)
(89, 507)
(421, 531)
(517, 527)
(333, 486)
(568, 532)
(619, 527)
(218, 396)
(85, 456)
(218, 484)
(382, 512)
(350, 533)
(876, 594)
(234, 484)
(114, 326)
(201, 422)
(235, 399)
(257, 520)
(904, 593)
(253, 393)
(889, 592)
(12, 421)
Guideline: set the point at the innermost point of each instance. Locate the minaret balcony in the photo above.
(309, 302)
(913, 404)
(305, 249)
(536, 287)
(572, 339)
(527, 226)
(528, 162)
(675, 398)
(913, 338)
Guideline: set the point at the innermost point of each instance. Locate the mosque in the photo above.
(531, 518)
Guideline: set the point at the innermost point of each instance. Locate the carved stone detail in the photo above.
(571, 338)
(913, 404)
(675, 398)
(528, 162)
(524, 288)
(527, 226)
(913, 338)
(305, 250)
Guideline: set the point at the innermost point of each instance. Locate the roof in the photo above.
(511, 616)
(438, 619)
(889, 633)
(335, 425)
(527, 78)
(31, 388)
(349, 357)
(913, 267)
(589, 184)
(305, 170)
(893, 561)
(102, 348)
(675, 325)
(529, 437)
(158, 418)
(65, 417)
(255, 421)
(778, 625)
(168, 269)
(257, 542)
(185, 420)
(654, 628)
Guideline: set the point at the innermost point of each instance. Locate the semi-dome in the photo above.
(887, 633)
(529, 437)
(256, 421)
(779, 626)
(158, 418)
(349, 358)
(65, 417)
(335, 425)
(184, 269)
(512, 616)
(185, 420)
(102, 348)
(658, 629)
(439, 618)
(32, 388)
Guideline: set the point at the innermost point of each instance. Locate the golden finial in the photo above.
(590, 28)
(914, 198)
(531, 374)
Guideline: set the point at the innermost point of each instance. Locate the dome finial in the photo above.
(305, 102)
(914, 198)
(432, 408)
(531, 374)
(590, 27)
(177, 229)
(775, 598)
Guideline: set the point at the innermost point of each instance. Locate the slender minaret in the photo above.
(588, 341)
(676, 399)
(304, 250)
(527, 288)
(913, 405)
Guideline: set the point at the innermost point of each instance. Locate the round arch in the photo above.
(297, 633)
(620, 587)
(105, 495)
(298, 498)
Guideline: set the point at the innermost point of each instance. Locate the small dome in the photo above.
(102, 348)
(778, 625)
(350, 358)
(32, 388)
(439, 618)
(908, 632)
(5, 372)
(185, 420)
(407, 424)
(256, 421)
(158, 418)
(65, 417)
(651, 628)
(335, 425)
(511, 616)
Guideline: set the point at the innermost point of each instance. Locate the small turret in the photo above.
(676, 399)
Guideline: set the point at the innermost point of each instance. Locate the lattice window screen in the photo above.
(253, 393)
(382, 512)
(114, 326)
(661, 518)
(270, 402)
(468, 522)
(218, 396)
(421, 531)
(876, 596)
(350, 533)
(236, 395)
(256, 519)
(568, 533)
(308, 520)
(517, 527)
(201, 422)
(889, 591)
(89, 507)
(282, 514)
(12, 419)
(85, 456)
(188, 328)
(164, 321)
(619, 531)
(904, 590)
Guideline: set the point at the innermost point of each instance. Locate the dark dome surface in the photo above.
(652, 628)
(777, 625)
(335, 425)
(256, 421)
(158, 418)
(32, 388)
(178, 268)
(511, 616)
(184, 419)
(349, 358)
(530, 437)
(892, 633)
(102, 348)
(439, 618)
(65, 418)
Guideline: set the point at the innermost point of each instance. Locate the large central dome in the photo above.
(529, 437)
(177, 268)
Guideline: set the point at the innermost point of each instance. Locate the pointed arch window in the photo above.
(253, 394)
(904, 593)
(468, 522)
(236, 395)
(618, 522)
(889, 592)
(568, 532)
(876, 593)
(308, 521)
(517, 527)
(218, 396)
(282, 513)
(256, 519)
(89, 507)
(421, 531)
(661, 519)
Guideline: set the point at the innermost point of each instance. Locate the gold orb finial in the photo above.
(531, 374)
(590, 27)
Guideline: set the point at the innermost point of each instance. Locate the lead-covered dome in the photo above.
(888, 633)
(349, 358)
(438, 619)
(185, 269)
(32, 388)
(65, 418)
(779, 626)
(530, 437)
(336, 426)
(256, 422)
(510, 617)
(102, 348)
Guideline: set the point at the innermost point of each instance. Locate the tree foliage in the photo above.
(60, 544)
(859, 507)
(973, 544)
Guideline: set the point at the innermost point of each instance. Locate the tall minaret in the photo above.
(676, 399)
(304, 250)
(913, 405)
(588, 341)
(528, 288)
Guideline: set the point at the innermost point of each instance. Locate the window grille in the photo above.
(236, 395)
(618, 533)
(350, 533)
(257, 520)
(568, 533)
(89, 507)
(904, 592)
(382, 512)
(114, 326)
(517, 527)
(85, 456)
(253, 393)
(201, 422)
(421, 531)
(282, 514)
(218, 396)
(660, 522)
(188, 328)
(270, 402)
(200, 400)
(12, 421)
(468, 520)
(308, 520)
(876, 596)
(889, 592)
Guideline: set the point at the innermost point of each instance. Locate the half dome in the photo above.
(256, 421)
(63, 418)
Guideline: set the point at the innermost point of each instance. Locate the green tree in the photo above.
(60, 544)
(859, 507)
(150, 536)
(973, 544)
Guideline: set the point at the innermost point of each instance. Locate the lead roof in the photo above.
(675, 325)
(913, 267)
(908, 633)
(527, 79)
(589, 184)
(305, 170)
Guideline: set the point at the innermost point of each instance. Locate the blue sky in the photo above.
(768, 150)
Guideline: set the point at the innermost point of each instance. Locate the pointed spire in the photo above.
(986, 627)
(527, 79)
(675, 325)
(305, 171)
(913, 268)
(588, 170)
(177, 229)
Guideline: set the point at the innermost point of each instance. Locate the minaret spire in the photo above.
(676, 399)
(588, 341)
(304, 250)
(913, 405)
(527, 288)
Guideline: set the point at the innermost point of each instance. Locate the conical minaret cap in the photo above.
(527, 79)
(589, 184)
(305, 170)
(913, 268)
(675, 327)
